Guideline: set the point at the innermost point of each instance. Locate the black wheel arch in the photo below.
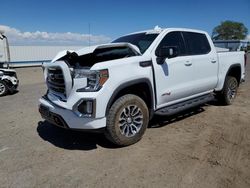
(141, 87)
(235, 71)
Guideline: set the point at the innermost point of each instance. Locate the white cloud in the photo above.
(17, 37)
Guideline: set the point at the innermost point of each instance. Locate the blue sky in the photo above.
(110, 19)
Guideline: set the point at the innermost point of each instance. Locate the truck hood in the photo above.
(91, 49)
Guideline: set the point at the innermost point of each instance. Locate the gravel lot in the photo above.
(206, 147)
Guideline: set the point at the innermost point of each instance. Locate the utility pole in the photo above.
(89, 33)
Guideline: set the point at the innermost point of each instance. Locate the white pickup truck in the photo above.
(118, 87)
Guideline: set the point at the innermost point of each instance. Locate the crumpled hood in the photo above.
(91, 49)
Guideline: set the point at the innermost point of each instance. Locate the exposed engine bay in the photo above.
(99, 54)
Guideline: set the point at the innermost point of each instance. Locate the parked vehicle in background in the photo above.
(118, 87)
(8, 77)
(8, 81)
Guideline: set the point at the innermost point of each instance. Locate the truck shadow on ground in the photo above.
(77, 140)
(70, 139)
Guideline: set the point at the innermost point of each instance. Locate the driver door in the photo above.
(173, 76)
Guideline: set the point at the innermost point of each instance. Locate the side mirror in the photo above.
(1, 73)
(167, 52)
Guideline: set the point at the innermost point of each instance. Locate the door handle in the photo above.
(213, 61)
(188, 63)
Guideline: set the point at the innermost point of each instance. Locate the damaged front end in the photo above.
(72, 70)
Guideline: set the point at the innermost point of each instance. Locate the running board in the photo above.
(175, 108)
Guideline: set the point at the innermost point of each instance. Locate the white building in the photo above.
(32, 55)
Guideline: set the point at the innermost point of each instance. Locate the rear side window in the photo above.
(174, 39)
(196, 43)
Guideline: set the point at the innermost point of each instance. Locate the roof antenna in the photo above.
(157, 28)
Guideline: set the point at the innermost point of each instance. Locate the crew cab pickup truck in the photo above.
(118, 87)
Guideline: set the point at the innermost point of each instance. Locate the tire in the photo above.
(127, 120)
(229, 91)
(3, 88)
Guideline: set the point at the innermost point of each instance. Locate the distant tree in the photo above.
(229, 30)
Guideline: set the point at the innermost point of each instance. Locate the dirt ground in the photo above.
(205, 147)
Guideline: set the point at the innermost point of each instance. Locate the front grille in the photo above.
(55, 80)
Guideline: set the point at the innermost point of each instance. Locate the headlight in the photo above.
(95, 79)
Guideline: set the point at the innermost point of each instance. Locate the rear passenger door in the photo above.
(204, 61)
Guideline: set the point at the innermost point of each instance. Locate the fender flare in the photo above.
(128, 84)
(231, 67)
(222, 79)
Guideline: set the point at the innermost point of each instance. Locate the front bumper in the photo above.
(67, 118)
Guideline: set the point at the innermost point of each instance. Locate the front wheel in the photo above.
(3, 88)
(229, 90)
(127, 120)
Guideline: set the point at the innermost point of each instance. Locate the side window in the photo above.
(196, 43)
(174, 39)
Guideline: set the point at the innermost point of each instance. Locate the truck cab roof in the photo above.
(159, 30)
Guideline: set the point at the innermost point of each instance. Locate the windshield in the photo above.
(141, 40)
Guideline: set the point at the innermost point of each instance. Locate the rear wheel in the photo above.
(229, 90)
(127, 120)
(3, 88)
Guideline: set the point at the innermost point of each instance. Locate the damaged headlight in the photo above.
(95, 79)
